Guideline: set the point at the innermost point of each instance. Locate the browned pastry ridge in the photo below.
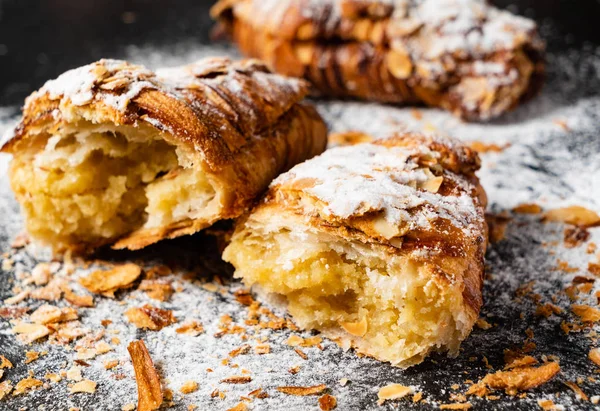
(113, 151)
(379, 246)
(466, 57)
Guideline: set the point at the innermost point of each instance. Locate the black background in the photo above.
(41, 39)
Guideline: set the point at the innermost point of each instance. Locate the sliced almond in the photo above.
(150, 395)
(192, 328)
(575, 215)
(518, 379)
(586, 313)
(399, 64)
(47, 314)
(393, 392)
(150, 317)
(188, 387)
(107, 282)
(358, 329)
(26, 384)
(87, 386)
(327, 402)
(237, 379)
(386, 229)
(301, 391)
(5, 388)
(4, 362)
(594, 356)
(29, 333)
(433, 184)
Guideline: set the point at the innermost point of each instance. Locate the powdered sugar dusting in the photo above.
(362, 178)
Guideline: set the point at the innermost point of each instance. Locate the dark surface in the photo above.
(41, 39)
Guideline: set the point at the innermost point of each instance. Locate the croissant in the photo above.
(380, 246)
(113, 153)
(465, 56)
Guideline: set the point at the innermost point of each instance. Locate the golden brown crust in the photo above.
(466, 57)
(451, 243)
(236, 121)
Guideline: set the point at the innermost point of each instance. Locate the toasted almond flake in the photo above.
(212, 287)
(31, 356)
(483, 324)
(74, 373)
(258, 393)
(237, 379)
(86, 353)
(577, 390)
(75, 299)
(26, 384)
(29, 333)
(301, 353)
(241, 406)
(107, 282)
(586, 313)
(150, 317)
(482, 147)
(294, 340)
(47, 314)
(262, 349)
(5, 363)
(527, 209)
(16, 299)
(548, 405)
(301, 391)
(41, 274)
(515, 380)
(343, 382)
(102, 347)
(393, 392)
(456, 406)
(595, 399)
(5, 388)
(21, 240)
(109, 364)
(524, 361)
(327, 402)
(358, 329)
(52, 377)
(294, 370)
(150, 395)
(157, 289)
(348, 138)
(575, 215)
(244, 349)
(188, 387)
(128, 407)
(433, 184)
(86, 386)
(593, 355)
(417, 397)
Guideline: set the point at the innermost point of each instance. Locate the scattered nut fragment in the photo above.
(258, 393)
(87, 386)
(188, 387)
(575, 236)
(301, 391)
(150, 395)
(74, 373)
(456, 406)
(262, 349)
(52, 377)
(150, 317)
(343, 382)
(358, 329)
(295, 340)
(107, 282)
(575, 215)
(192, 328)
(16, 299)
(5, 388)
(577, 390)
(524, 361)
(327, 402)
(109, 364)
(482, 147)
(47, 314)
(548, 405)
(527, 209)
(31, 356)
(348, 138)
(75, 299)
(25, 385)
(29, 333)
(586, 313)
(4, 362)
(593, 355)
(41, 274)
(515, 380)
(157, 289)
(392, 392)
(483, 324)
(237, 379)
(497, 224)
(128, 407)
(241, 406)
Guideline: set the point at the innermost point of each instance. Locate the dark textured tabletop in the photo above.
(549, 156)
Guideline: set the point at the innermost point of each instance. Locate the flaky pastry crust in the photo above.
(466, 57)
(233, 126)
(379, 245)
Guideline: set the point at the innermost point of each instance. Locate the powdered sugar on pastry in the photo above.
(363, 178)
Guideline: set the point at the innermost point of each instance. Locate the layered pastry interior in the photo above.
(94, 183)
(379, 246)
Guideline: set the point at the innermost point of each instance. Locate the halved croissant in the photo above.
(113, 153)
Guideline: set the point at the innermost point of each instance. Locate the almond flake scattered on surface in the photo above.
(343, 382)
(483, 324)
(241, 406)
(482, 147)
(262, 349)
(192, 328)
(30, 356)
(5, 363)
(527, 208)
(74, 373)
(258, 393)
(52, 377)
(157, 289)
(128, 407)
(548, 405)
(150, 317)
(393, 392)
(41, 274)
(29, 333)
(237, 379)
(107, 282)
(594, 356)
(188, 387)
(586, 313)
(575, 215)
(109, 364)
(456, 406)
(47, 314)
(417, 397)
(577, 390)
(76, 299)
(26, 384)
(86, 386)
(150, 395)
(5, 388)
(515, 380)
(524, 361)
(301, 391)
(327, 402)
(16, 299)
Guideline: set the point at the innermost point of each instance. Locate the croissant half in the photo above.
(379, 246)
(464, 56)
(113, 153)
